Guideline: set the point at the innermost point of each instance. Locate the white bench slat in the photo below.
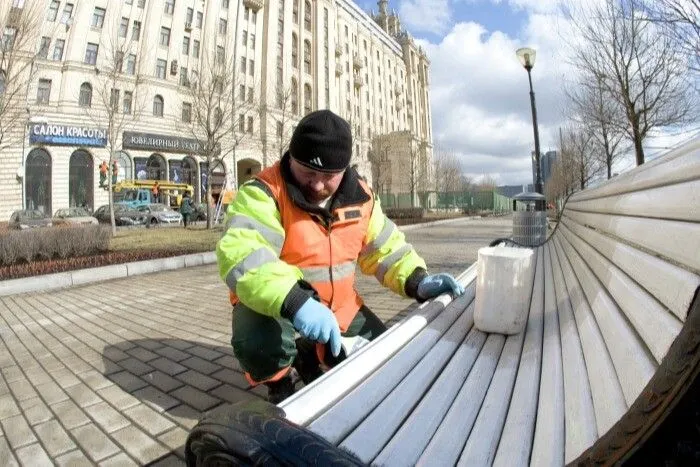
(337, 421)
(633, 363)
(407, 444)
(483, 439)
(305, 405)
(373, 433)
(608, 399)
(678, 166)
(656, 325)
(671, 285)
(516, 440)
(446, 445)
(580, 421)
(678, 241)
(652, 203)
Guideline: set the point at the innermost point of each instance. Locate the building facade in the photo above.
(86, 81)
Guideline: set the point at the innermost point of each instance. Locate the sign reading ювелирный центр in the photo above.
(164, 143)
(72, 135)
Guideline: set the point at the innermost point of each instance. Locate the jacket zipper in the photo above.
(330, 263)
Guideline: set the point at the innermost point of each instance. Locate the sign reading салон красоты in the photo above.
(71, 135)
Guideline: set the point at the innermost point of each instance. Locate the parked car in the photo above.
(77, 216)
(123, 215)
(28, 219)
(160, 214)
(200, 212)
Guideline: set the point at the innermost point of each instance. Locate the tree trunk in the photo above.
(208, 200)
(110, 195)
(638, 149)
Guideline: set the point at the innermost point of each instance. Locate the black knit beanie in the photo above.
(322, 141)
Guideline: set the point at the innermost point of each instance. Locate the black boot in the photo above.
(279, 390)
(306, 361)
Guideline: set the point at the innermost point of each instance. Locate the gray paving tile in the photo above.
(148, 419)
(7, 457)
(8, 407)
(205, 353)
(22, 389)
(69, 414)
(51, 393)
(114, 354)
(135, 366)
(38, 376)
(172, 353)
(156, 399)
(169, 461)
(162, 381)
(95, 443)
(35, 411)
(54, 438)
(105, 366)
(198, 380)
(200, 365)
(142, 354)
(128, 381)
(229, 361)
(33, 455)
(184, 415)
(150, 344)
(117, 397)
(65, 378)
(233, 394)
(139, 445)
(17, 431)
(196, 398)
(83, 395)
(120, 460)
(168, 366)
(74, 459)
(107, 417)
(175, 439)
(232, 377)
(95, 379)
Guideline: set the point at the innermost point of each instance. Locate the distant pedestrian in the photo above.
(103, 174)
(155, 191)
(186, 208)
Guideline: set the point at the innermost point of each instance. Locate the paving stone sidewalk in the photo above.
(118, 372)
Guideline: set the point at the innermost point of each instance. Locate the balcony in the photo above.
(338, 50)
(338, 69)
(357, 80)
(254, 5)
(357, 62)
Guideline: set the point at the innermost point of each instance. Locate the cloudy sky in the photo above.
(479, 91)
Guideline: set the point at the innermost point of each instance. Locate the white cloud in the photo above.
(433, 16)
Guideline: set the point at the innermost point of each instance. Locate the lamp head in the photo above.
(526, 55)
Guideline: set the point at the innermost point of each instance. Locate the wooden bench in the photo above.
(611, 343)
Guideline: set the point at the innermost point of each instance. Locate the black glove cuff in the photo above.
(411, 285)
(296, 297)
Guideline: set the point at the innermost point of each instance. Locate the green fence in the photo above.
(460, 200)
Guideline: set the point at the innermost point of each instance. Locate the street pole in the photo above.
(538, 174)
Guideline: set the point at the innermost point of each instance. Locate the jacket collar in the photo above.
(349, 192)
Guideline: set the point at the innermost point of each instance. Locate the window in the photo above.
(91, 53)
(223, 26)
(243, 65)
(195, 49)
(129, 2)
(136, 31)
(252, 40)
(189, 16)
(43, 91)
(53, 11)
(253, 17)
(307, 15)
(250, 124)
(114, 99)
(123, 27)
(295, 51)
(98, 18)
(218, 117)
(141, 3)
(251, 67)
(220, 55)
(164, 36)
(307, 56)
(3, 83)
(295, 97)
(44, 47)
(67, 13)
(8, 38)
(200, 18)
(58, 49)
(161, 65)
(169, 7)
(186, 45)
(157, 106)
(85, 98)
(131, 64)
(118, 61)
(186, 112)
(241, 123)
(250, 94)
(280, 129)
(184, 76)
(295, 11)
(224, 3)
(246, 13)
(307, 98)
(126, 103)
(244, 37)
(242, 92)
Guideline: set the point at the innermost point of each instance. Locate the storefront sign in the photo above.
(67, 135)
(164, 143)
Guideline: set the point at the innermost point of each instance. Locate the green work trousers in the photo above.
(264, 345)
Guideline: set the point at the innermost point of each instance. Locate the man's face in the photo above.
(316, 186)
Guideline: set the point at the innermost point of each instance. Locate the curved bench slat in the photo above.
(406, 446)
(653, 203)
(515, 443)
(347, 413)
(373, 433)
(671, 285)
(549, 440)
(680, 165)
(633, 363)
(655, 324)
(608, 399)
(446, 445)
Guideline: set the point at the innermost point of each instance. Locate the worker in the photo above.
(103, 174)
(155, 191)
(115, 172)
(295, 235)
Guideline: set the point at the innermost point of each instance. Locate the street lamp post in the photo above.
(526, 56)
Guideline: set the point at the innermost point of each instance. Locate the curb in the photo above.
(61, 280)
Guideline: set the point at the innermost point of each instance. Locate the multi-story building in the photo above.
(155, 84)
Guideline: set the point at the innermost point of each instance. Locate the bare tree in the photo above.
(680, 19)
(214, 117)
(487, 183)
(417, 171)
(638, 66)
(116, 97)
(18, 50)
(447, 173)
(580, 156)
(381, 166)
(283, 116)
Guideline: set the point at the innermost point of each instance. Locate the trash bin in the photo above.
(529, 219)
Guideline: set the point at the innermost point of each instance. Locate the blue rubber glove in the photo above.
(436, 284)
(316, 322)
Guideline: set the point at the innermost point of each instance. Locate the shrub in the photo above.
(404, 213)
(50, 243)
